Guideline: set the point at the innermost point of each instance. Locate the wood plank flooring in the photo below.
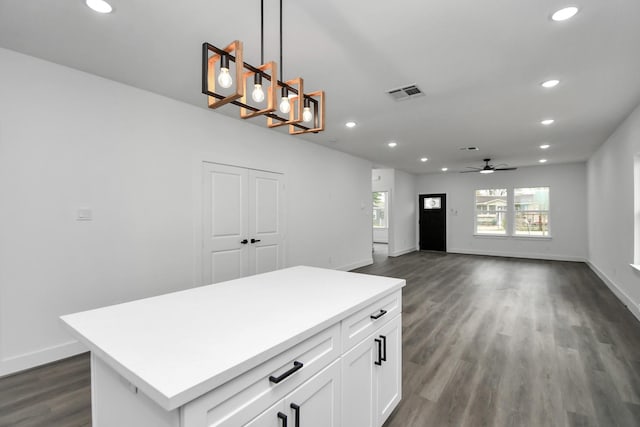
(486, 342)
(510, 342)
(53, 395)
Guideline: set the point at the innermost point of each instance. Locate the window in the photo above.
(531, 211)
(380, 209)
(491, 211)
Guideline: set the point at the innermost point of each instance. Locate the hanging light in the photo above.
(307, 115)
(224, 78)
(294, 102)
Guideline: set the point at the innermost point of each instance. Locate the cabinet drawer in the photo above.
(241, 399)
(358, 326)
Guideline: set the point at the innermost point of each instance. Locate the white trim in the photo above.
(355, 265)
(10, 365)
(635, 266)
(551, 257)
(617, 291)
(402, 252)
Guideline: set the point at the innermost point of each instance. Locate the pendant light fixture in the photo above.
(305, 110)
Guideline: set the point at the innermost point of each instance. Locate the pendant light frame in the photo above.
(271, 93)
(210, 74)
(294, 87)
(316, 100)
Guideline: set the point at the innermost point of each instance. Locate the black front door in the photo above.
(433, 222)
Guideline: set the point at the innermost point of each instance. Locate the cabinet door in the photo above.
(272, 417)
(358, 383)
(316, 403)
(389, 372)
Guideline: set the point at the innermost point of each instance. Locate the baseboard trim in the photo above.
(550, 257)
(355, 265)
(617, 291)
(13, 364)
(402, 252)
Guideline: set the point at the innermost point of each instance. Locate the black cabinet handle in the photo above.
(296, 408)
(379, 361)
(283, 417)
(255, 240)
(379, 315)
(384, 348)
(296, 367)
(244, 242)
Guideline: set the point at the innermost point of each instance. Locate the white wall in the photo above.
(611, 211)
(402, 208)
(404, 219)
(70, 139)
(568, 214)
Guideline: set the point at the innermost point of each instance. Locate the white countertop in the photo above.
(178, 346)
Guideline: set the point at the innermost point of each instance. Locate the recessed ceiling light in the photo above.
(543, 160)
(547, 122)
(99, 6)
(424, 159)
(545, 146)
(445, 169)
(392, 144)
(564, 14)
(350, 124)
(550, 83)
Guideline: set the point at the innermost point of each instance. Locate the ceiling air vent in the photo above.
(469, 148)
(405, 92)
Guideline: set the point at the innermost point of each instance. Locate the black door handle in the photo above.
(384, 348)
(244, 242)
(296, 367)
(379, 361)
(296, 408)
(255, 240)
(379, 315)
(283, 417)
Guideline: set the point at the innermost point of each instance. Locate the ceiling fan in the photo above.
(489, 168)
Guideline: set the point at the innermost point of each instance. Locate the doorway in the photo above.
(433, 222)
(243, 222)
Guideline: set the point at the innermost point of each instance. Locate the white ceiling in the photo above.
(479, 63)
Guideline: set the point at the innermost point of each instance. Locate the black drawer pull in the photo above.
(297, 416)
(379, 315)
(255, 240)
(283, 417)
(384, 348)
(379, 361)
(296, 366)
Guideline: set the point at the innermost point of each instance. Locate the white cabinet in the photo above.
(372, 377)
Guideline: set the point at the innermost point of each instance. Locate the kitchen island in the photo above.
(299, 347)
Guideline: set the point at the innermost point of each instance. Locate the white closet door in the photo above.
(266, 221)
(226, 219)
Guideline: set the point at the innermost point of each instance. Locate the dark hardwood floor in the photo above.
(53, 395)
(510, 342)
(486, 342)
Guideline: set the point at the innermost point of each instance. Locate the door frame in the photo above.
(197, 183)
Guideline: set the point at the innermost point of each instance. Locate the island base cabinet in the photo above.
(372, 377)
(316, 403)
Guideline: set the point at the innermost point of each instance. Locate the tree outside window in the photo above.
(380, 209)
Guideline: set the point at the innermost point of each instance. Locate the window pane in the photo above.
(380, 209)
(491, 211)
(532, 223)
(531, 199)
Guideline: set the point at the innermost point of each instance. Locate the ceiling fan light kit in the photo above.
(306, 111)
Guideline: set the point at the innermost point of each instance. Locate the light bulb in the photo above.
(306, 114)
(285, 107)
(224, 78)
(257, 94)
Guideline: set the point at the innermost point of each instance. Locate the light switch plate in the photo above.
(84, 214)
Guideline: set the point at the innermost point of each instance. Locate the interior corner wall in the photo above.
(401, 210)
(568, 211)
(612, 219)
(72, 140)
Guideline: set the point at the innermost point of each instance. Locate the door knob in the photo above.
(255, 240)
(245, 241)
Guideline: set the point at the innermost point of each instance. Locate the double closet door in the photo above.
(243, 222)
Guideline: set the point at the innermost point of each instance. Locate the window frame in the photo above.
(531, 211)
(385, 211)
(475, 214)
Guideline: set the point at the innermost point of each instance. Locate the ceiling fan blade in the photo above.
(471, 167)
(475, 171)
(505, 169)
